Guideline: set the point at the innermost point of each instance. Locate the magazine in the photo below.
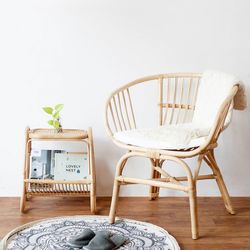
(71, 167)
(58, 165)
(42, 163)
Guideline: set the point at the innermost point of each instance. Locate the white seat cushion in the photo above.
(172, 137)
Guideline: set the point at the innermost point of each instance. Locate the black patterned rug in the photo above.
(52, 234)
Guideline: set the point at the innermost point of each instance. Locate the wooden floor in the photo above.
(218, 229)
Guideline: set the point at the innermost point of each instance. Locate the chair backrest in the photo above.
(177, 97)
(176, 101)
(183, 98)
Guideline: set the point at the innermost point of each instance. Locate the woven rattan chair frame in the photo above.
(120, 116)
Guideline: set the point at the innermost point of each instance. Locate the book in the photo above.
(42, 163)
(53, 163)
(71, 167)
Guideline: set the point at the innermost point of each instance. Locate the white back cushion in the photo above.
(214, 87)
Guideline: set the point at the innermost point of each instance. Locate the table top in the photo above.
(68, 134)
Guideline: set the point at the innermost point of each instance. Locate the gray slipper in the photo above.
(84, 238)
(100, 242)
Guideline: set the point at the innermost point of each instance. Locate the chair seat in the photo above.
(171, 137)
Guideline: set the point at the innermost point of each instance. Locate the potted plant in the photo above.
(55, 120)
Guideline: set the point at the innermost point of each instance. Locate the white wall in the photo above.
(77, 52)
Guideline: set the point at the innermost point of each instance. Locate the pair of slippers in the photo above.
(102, 240)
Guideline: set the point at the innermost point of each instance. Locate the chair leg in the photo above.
(193, 200)
(154, 191)
(220, 183)
(116, 190)
(114, 201)
(193, 212)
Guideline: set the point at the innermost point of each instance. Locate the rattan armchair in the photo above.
(177, 95)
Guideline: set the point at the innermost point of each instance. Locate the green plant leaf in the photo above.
(48, 110)
(59, 107)
(56, 124)
(51, 122)
(56, 115)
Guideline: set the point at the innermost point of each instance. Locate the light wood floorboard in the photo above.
(218, 229)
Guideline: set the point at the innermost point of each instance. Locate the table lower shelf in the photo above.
(61, 194)
(57, 188)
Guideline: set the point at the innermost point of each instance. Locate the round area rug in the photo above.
(53, 234)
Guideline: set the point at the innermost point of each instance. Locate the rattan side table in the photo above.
(47, 187)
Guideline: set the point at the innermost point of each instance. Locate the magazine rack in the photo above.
(48, 187)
